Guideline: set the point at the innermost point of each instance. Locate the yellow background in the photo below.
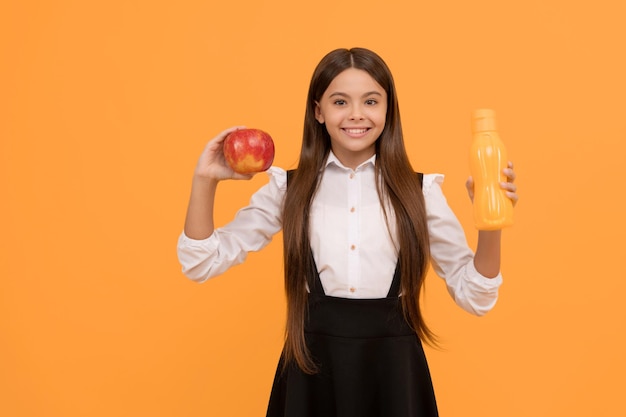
(106, 106)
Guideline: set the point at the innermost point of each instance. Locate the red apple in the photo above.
(249, 150)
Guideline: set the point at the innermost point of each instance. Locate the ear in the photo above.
(318, 113)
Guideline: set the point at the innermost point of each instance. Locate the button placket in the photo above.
(354, 266)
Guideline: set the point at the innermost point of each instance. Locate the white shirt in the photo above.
(352, 246)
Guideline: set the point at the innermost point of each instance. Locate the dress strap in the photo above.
(313, 279)
(394, 290)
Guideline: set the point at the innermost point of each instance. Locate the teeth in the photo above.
(356, 131)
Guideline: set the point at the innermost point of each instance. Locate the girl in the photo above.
(360, 227)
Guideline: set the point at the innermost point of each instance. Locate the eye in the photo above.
(340, 102)
(371, 102)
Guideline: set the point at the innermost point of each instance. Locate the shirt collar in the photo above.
(332, 159)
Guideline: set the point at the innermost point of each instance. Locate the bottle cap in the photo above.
(483, 120)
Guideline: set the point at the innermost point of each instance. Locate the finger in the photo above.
(238, 176)
(469, 185)
(510, 174)
(509, 186)
(513, 196)
(223, 134)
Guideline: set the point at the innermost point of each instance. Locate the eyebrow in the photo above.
(370, 93)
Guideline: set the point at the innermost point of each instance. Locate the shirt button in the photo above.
(352, 209)
(351, 175)
(352, 289)
(352, 247)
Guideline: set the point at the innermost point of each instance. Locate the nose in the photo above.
(356, 113)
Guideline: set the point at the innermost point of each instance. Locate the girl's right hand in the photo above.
(212, 165)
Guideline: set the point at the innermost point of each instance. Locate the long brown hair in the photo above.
(397, 184)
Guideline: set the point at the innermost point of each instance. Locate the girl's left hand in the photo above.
(509, 186)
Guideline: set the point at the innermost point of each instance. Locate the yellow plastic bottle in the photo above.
(493, 210)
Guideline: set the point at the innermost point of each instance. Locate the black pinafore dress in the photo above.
(371, 364)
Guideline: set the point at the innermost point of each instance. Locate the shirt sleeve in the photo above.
(251, 230)
(451, 257)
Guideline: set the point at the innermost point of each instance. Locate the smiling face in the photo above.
(353, 108)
